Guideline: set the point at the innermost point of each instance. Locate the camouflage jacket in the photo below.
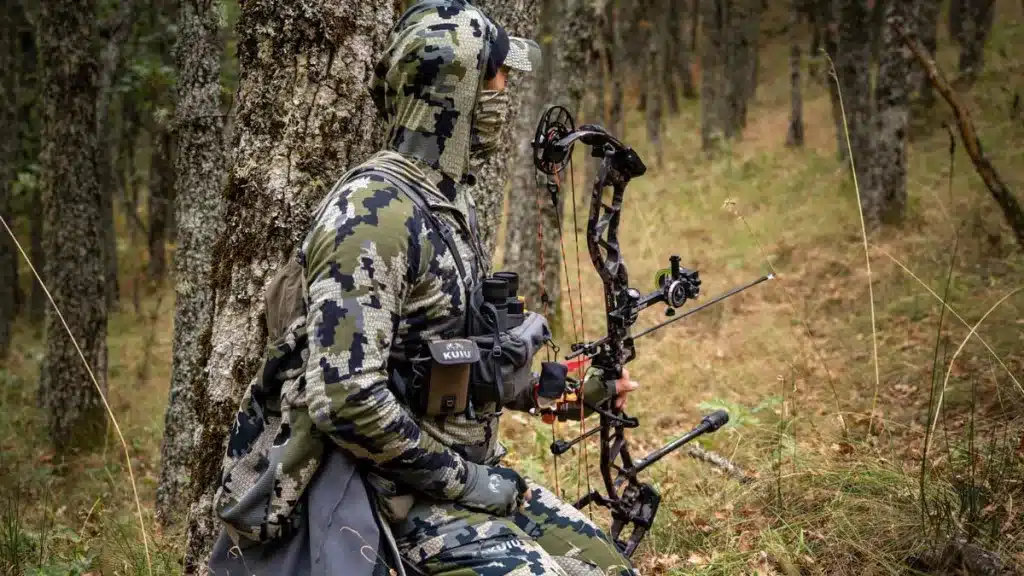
(374, 281)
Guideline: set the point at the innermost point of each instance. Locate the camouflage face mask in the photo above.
(489, 117)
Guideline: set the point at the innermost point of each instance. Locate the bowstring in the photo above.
(544, 306)
(580, 370)
(568, 292)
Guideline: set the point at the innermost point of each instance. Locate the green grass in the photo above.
(788, 359)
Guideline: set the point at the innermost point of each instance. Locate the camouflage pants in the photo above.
(548, 537)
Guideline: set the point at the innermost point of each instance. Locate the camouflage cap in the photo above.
(516, 53)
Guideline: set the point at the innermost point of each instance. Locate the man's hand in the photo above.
(493, 489)
(624, 386)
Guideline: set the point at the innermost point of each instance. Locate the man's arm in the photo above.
(362, 259)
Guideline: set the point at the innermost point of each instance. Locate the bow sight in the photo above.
(633, 504)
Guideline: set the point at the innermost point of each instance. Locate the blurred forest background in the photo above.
(159, 161)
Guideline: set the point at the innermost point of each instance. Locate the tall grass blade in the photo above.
(99, 390)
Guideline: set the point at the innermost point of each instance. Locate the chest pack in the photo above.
(489, 363)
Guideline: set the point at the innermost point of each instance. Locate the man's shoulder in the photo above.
(370, 199)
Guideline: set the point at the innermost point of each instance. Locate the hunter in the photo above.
(362, 446)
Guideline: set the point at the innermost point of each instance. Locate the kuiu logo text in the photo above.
(457, 355)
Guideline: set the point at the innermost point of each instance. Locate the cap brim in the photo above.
(523, 55)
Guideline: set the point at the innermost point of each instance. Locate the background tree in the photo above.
(304, 116)
(713, 119)
(519, 18)
(887, 194)
(571, 63)
(927, 23)
(795, 135)
(161, 199)
(10, 53)
(531, 246)
(75, 269)
(655, 26)
(200, 171)
(976, 25)
(115, 32)
(742, 30)
(853, 70)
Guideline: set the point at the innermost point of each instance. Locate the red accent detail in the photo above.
(577, 364)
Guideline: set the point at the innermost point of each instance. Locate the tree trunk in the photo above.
(979, 15)
(927, 22)
(713, 96)
(795, 136)
(686, 48)
(892, 95)
(37, 299)
(955, 23)
(75, 271)
(616, 68)
(116, 32)
(161, 189)
(742, 25)
(519, 18)
(670, 26)
(533, 219)
(9, 56)
(853, 68)
(657, 38)
(199, 174)
(532, 236)
(8, 264)
(304, 116)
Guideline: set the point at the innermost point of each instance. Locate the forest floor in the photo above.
(835, 449)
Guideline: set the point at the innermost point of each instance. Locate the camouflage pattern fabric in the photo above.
(378, 282)
(548, 537)
(428, 82)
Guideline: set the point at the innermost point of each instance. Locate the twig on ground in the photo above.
(718, 461)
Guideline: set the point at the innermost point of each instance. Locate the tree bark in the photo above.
(955, 22)
(892, 96)
(304, 115)
(713, 109)
(927, 23)
(532, 217)
(795, 136)
(853, 68)
(742, 26)
(116, 33)
(830, 28)
(657, 39)
(161, 189)
(37, 299)
(199, 174)
(519, 18)
(532, 233)
(9, 56)
(75, 271)
(685, 46)
(977, 24)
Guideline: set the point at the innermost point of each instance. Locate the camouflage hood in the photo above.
(427, 83)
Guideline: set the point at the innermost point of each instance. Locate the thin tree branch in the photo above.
(1000, 192)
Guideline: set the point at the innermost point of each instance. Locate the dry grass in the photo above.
(825, 502)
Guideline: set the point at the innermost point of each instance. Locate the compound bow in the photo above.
(632, 503)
